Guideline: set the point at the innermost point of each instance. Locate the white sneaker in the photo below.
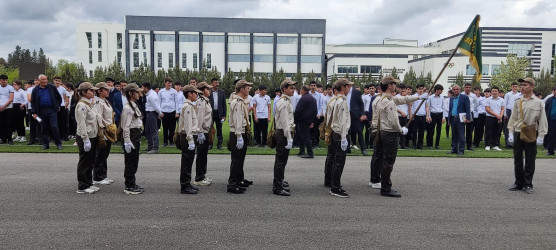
(487, 148)
(85, 191)
(497, 148)
(204, 182)
(103, 182)
(208, 179)
(354, 147)
(94, 188)
(75, 144)
(375, 185)
(27, 128)
(109, 180)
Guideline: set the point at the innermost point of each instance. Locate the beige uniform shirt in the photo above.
(533, 110)
(87, 119)
(105, 110)
(341, 120)
(204, 114)
(130, 118)
(284, 116)
(188, 123)
(238, 113)
(386, 105)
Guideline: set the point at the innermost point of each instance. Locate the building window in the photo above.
(164, 38)
(209, 60)
(183, 60)
(213, 39)
(135, 59)
(286, 59)
(100, 56)
(90, 56)
(347, 69)
(90, 73)
(521, 49)
(143, 40)
(311, 59)
(89, 39)
(239, 58)
(119, 40)
(189, 38)
(119, 57)
(286, 40)
(159, 60)
(494, 68)
(145, 58)
(170, 60)
(239, 39)
(263, 39)
(311, 40)
(136, 42)
(194, 60)
(370, 69)
(262, 58)
(552, 67)
(100, 40)
(469, 70)
(553, 50)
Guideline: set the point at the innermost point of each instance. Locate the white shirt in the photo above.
(168, 100)
(180, 99)
(276, 99)
(473, 103)
(324, 103)
(262, 103)
(29, 91)
(482, 102)
(349, 98)
(295, 100)
(366, 101)
(20, 97)
(5, 95)
(509, 99)
(152, 103)
(250, 101)
(422, 111)
(63, 94)
(124, 100)
(436, 104)
(318, 97)
(496, 105)
(215, 98)
(446, 106)
(404, 107)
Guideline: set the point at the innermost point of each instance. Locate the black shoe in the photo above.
(30, 143)
(220, 148)
(515, 188)
(528, 190)
(451, 152)
(210, 147)
(420, 148)
(165, 144)
(470, 148)
(364, 152)
(549, 154)
(339, 193)
(194, 187)
(437, 147)
(243, 184)
(171, 144)
(133, 190)
(282, 192)
(403, 147)
(248, 182)
(139, 187)
(285, 184)
(459, 153)
(430, 147)
(45, 147)
(235, 190)
(300, 153)
(59, 146)
(307, 156)
(147, 149)
(10, 143)
(391, 193)
(188, 190)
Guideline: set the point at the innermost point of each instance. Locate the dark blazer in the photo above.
(369, 113)
(221, 103)
(118, 106)
(306, 110)
(111, 95)
(55, 98)
(356, 108)
(548, 106)
(463, 106)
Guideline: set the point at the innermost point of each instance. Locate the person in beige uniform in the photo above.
(528, 110)
(104, 108)
(239, 122)
(131, 123)
(284, 140)
(188, 130)
(204, 117)
(88, 121)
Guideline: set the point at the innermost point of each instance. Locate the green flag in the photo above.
(470, 45)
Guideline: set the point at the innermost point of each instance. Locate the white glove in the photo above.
(87, 146)
(290, 144)
(344, 144)
(201, 138)
(540, 141)
(222, 121)
(191, 146)
(511, 137)
(128, 146)
(239, 144)
(404, 131)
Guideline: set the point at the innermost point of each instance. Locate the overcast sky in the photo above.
(33, 24)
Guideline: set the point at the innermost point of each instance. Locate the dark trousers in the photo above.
(86, 163)
(261, 131)
(480, 123)
(505, 128)
(403, 138)
(338, 162)
(551, 136)
(304, 132)
(469, 132)
(72, 124)
(419, 122)
(447, 127)
(411, 134)
(376, 161)
(168, 127)
(34, 128)
(201, 162)
(100, 171)
(280, 160)
(387, 157)
(458, 134)
(18, 121)
(524, 173)
(216, 119)
(6, 125)
(436, 123)
(63, 122)
(315, 133)
(368, 137)
(151, 130)
(357, 130)
(132, 159)
(238, 160)
(187, 158)
(49, 126)
(492, 135)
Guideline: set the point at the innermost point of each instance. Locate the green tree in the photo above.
(227, 82)
(544, 82)
(459, 79)
(298, 77)
(12, 73)
(395, 73)
(513, 69)
(410, 78)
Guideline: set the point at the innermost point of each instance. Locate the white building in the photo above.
(99, 44)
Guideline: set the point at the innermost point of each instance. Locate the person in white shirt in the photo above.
(169, 104)
(18, 111)
(435, 117)
(63, 112)
(261, 112)
(277, 96)
(509, 100)
(315, 134)
(295, 99)
(494, 115)
(366, 102)
(473, 105)
(420, 117)
(153, 113)
(480, 120)
(180, 97)
(6, 106)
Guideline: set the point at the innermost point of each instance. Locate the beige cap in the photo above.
(191, 88)
(341, 82)
(85, 86)
(527, 79)
(102, 85)
(242, 83)
(388, 80)
(203, 85)
(132, 87)
(287, 82)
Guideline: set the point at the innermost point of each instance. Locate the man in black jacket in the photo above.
(218, 109)
(46, 101)
(357, 113)
(303, 118)
(550, 108)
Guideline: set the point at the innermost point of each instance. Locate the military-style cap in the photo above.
(341, 82)
(287, 82)
(102, 85)
(388, 80)
(191, 88)
(203, 85)
(242, 83)
(86, 86)
(132, 87)
(527, 79)
(3, 77)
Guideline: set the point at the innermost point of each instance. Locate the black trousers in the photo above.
(151, 130)
(458, 134)
(524, 173)
(551, 136)
(376, 161)
(304, 132)
(368, 137)
(261, 131)
(187, 158)
(411, 134)
(201, 162)
(6, 125)
(505, 128)
(216, 120)
(357, 130)
(338, 162)
(479, 129)
(49, 126)
(280, 160)
(132, 159)
(389, 144)
(238, 159)
(436, 124)
(18, 121)
(168, 127)
(72, 124)
(63, 122)
(100, 171)
(419, 130)
(34, 128)
(86, 163)
(447, 127)
(492, 135)
(469, 132)
(403, 138)
(315, 133)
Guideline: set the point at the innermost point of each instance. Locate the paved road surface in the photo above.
(446, 204)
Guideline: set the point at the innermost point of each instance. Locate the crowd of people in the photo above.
(191, 118)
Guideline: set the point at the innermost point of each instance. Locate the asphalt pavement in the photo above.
(446, 203)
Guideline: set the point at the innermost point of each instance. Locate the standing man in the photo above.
(193, 81)
(110, 82)
(189, 132)
(46, 101)
(118, 102)
(473, 105)
(509, 100)
(169, 103)
(63, 113)
(528, 111)
(550, 108)
(446, 112)
(403, 111)
(357, 115)
(7, 93)
(152, 108)
(304, 118)
(481, 118)
(284, 139)
(420, 119)
(494, 107)
(460, 114)
(318, 119)
(435, 118)
(204, 118)
(218, 104)
(34, 126)
(262, 116)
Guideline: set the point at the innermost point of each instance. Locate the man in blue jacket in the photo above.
(45, 102)
(303, 118)
(459, 104)
(118, 102)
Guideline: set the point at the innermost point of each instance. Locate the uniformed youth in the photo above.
(188, 130)
(284, 140)
(239, 124)
(87, 120)
(104, 109)
(204, 118)
(131, 123)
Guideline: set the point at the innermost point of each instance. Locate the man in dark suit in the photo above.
(45, 102)
(118, 103)
(459, 104)
(303, 118)
(110, 82)
(357, 113)
(218, 109)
